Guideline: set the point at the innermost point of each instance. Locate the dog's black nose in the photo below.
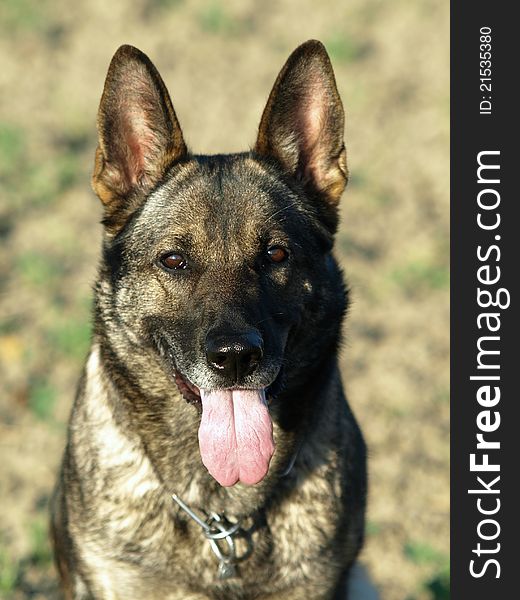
(234, 356)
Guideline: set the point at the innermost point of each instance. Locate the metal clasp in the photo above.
(217, 529)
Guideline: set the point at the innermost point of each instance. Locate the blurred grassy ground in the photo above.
(219, 60)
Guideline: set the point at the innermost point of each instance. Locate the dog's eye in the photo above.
(174, 261)
(277, 254)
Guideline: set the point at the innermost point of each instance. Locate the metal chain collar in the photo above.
(218, 529)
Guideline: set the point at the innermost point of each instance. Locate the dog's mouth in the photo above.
(190, 392)
(235, 434)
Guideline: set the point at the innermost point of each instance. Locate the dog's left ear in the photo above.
(302, 127)
(139, 135)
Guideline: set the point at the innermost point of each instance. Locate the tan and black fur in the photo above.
(132, 438)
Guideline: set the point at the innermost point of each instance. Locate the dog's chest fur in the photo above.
(137, 541)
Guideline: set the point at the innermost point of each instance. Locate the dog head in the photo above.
(217, 263)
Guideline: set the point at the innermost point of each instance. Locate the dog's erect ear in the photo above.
(302, 126)
(139, 135)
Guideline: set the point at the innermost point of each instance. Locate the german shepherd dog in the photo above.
(211, 452)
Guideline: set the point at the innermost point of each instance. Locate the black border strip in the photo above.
(471, 134)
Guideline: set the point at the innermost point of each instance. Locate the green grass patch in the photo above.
(421, 275)
(39, 270)
(67, 170)
(163, 4)
(45, 182)
(42, 399)
(373, 528)
(12, 146)
(8, 574)
(9, 569)
(343, 47)
(421, 554)
(441, 395)
(381, 198)
(215, 19)
(349, 247)
(357, 179)
(439, 585)
(27, 182)
(24, 15)
(71, 338)
(10, 326)
(41, 554)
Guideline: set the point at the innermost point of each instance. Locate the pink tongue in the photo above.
(236, 435)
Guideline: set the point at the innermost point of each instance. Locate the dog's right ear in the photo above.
(302, 128)
(139, 135)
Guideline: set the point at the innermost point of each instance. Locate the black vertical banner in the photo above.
(485, 331)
